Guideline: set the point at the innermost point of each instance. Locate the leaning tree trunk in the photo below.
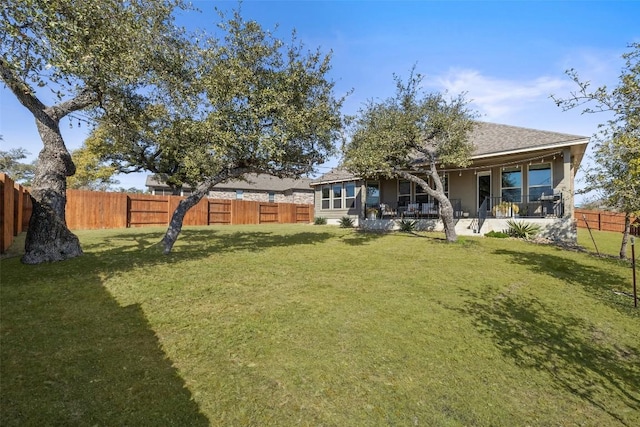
(175, 225)
(446, 215)
(48, 238)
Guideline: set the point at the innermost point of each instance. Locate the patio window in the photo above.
(350, 195)
(338, 196)
(511, 184)
(404, 192)
(326, 197)
(373, 194)
(540, 181)
(421, 194)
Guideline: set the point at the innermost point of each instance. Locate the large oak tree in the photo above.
(90, 56)
(408, 136)
(265, 106)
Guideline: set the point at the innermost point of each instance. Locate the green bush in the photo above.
(407, 225)
(497, 234)
(346, 222)
(319, 220)
(522, 229)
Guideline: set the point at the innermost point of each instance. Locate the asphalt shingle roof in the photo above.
(490, 139)
(258, 182)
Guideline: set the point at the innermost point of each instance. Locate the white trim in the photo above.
(570, 143)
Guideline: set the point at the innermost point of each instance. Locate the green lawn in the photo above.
(317, 325)
(607, 242)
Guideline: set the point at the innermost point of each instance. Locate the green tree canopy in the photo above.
(265, 106)
(408, 136)
(11, 165)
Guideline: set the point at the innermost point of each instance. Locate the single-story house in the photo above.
(515, 173)
(257, 187)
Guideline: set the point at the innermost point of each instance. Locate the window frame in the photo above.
(511, 169)
(335, 196)
(538, 167)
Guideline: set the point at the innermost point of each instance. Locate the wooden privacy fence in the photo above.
(15, 210)
(88, 210)
(602, 220)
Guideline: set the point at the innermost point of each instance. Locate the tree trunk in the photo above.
(48, 238)
(446, 209)
(625, 235)
(175, 225)
(446, 215)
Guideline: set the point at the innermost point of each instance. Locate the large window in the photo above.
(404, 192)
(540, 181)
(511, 184)
(350, 195)
(326, 197)
(421, 194)
(373, 194)
(338, 196)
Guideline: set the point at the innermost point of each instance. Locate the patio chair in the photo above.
(413, 210)
(429, 209)
(386, 210)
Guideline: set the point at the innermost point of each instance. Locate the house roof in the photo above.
(492, 140)
(496, 139)
(256, 182)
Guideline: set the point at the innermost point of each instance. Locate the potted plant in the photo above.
(372, 213)
(505, 209)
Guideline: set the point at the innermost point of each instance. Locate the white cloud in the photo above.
(499, 100)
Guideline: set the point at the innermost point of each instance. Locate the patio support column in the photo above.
(567, 195)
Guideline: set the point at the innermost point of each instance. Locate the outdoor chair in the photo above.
(386, 210)
(429, 209)
(413, 210)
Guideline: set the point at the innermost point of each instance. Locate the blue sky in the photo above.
(508, 56)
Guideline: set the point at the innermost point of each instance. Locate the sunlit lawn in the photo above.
(316, 325)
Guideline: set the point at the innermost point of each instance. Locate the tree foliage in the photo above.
(615, 174)
(11, 165)
(408, 136)
(94, 56)
(264, 106)
(91, 172)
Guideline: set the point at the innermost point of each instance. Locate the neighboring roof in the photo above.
(492, 139)
(257, 182)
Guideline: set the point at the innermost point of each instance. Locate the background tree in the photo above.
(91, 56)
(615, 174)
(91, 172)
(408, 136)
(18, 171)
(267, 107)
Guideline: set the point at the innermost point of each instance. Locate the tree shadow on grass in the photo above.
(598, 282)
(120, 252)
(578, 356)
(71, 355)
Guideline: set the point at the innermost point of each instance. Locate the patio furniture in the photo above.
(429, 209)
(413, 210)
(387, 210)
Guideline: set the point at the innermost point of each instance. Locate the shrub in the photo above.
(407, 225)
(346, 222)
(522, 229)
(320, 220)
(497, 234)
